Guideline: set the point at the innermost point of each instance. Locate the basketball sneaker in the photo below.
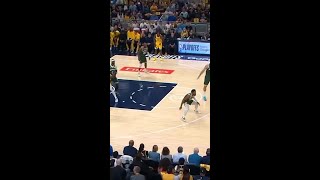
(116, 100)
(183, 119)
(204, 98)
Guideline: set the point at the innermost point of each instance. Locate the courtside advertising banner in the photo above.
(190, 47)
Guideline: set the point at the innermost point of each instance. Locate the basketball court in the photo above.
(148, 108)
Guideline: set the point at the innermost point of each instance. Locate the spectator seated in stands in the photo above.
(184, 14)
(186, 174)
(195, 158)
(169, 174)
(150, 43)
(144, 153)
(177, 156)
(178, 169)
(127, 15)
(132, 7)
(164, 165)
(137, 161)
(171, 49)
(122, 40)
(114, 158)
(184, 34)
(206, 159)
(166, 154)
(130, 150)
(154, 155)
(137, 175)
(154, 8)
(118, 172)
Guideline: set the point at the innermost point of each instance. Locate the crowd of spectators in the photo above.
(171, 18)
(175, 10)
(141, 164)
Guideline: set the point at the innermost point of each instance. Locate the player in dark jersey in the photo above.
(206, 80)
(113, 74)
(143, 51)
(113, 79)
(112, 89)
(189, 99)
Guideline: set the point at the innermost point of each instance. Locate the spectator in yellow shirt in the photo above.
(154, 8)
(184, 33)
(116, 39)
(112, 35)
(136, 41)
(130, 37)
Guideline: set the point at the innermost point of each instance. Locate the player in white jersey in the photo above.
(189, 99)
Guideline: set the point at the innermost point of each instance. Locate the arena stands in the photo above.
(147, 165)
(175, 20)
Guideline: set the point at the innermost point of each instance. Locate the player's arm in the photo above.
(195, 100)
(205, 68)
(185, 99)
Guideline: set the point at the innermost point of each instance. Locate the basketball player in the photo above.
(143, 51)
(112, 89)
(158, 44)
(113, 74)
(206, 79)
(189, 99)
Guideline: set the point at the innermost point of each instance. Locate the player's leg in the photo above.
(155, 52)
(140, 65)
(206, 82)
(115, 84)
(160, 49)
(145, 67)
(160, 52)
(128, 46)
(196, 105)
(112, 89)
(185, 111)
(132, 46)
(135, 47)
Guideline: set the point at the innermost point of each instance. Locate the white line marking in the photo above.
(150, 87)
(133, 93)
(142, 105)
(134, 101)
(162, 99)
(139, 89)
(130, 97)
(152, 81)
(154, 132)
(123, 101)
(162, 86)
